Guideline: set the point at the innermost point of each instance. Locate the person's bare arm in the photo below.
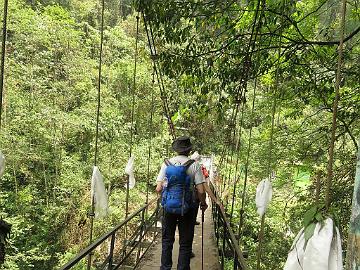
(202, 196)
(159, 187)
(160, 179)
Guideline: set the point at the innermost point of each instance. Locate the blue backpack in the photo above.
(177, 195)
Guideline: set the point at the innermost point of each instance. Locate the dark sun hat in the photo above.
(182, 144)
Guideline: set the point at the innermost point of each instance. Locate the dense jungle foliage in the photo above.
(215, 56)
(285, 53)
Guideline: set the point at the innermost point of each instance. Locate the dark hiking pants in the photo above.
(186, 234)
(196, 211)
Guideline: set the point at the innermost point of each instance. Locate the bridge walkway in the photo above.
(151, 261)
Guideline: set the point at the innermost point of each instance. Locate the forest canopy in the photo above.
(252, 82)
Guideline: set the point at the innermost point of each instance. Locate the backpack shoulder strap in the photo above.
(167, 162)
(188, 163)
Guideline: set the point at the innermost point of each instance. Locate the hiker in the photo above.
(178, 179)
(197, 157)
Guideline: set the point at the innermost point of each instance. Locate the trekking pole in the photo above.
(202, 238)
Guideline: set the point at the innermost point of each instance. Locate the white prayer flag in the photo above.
(99, 195)
(263, 196)
(295, 259)
(322, 252)
(129, 170)
(335, 256)
(2, 164)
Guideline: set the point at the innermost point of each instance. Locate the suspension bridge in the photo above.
(215, 244)
(135, 243)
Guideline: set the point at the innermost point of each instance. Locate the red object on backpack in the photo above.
(204, 171)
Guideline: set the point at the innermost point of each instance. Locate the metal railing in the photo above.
(124, 252)
(231, 257)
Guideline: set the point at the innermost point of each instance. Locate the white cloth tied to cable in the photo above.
(129, 170)
(263, 196)
(98, 194)
(322, 252)
(295, 258)
(335, 256)
(2, 164)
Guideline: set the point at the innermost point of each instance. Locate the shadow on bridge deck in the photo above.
(211, 258)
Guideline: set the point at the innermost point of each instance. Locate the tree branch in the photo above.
(347, 129)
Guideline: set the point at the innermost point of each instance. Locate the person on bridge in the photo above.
(178, 180)
(197, 157)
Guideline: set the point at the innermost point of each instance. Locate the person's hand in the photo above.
(159, 188)
(203, 206)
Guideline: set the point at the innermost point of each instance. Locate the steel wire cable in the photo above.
(3, 53)
(97, 123)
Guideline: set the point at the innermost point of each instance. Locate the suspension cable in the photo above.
(153, 53)
(99, 85)
(133, 99)
(97, 123)
(226, 164)
(243, 200)
(255, 31)
(133, 94)
(3, 52)
(335, 109)
(222, 157)
(232, 136)
(239, 146)
(234, 124)
(270, 154)
(248, 56)
(237, 159)
(271, 142)
(151, 134)
(163, 94)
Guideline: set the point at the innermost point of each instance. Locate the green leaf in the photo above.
(302, 179)
(175, 117)
(309, 231)
(310, 215)
(319, 217)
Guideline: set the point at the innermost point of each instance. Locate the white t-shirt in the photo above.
(194, 171)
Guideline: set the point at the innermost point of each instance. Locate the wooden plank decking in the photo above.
(211, 259)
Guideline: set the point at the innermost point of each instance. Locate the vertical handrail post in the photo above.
(218, 230)
(156, 216)
(111, 253)
(223, 246)
(91, 216)
(235, 260)
(142, 233)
